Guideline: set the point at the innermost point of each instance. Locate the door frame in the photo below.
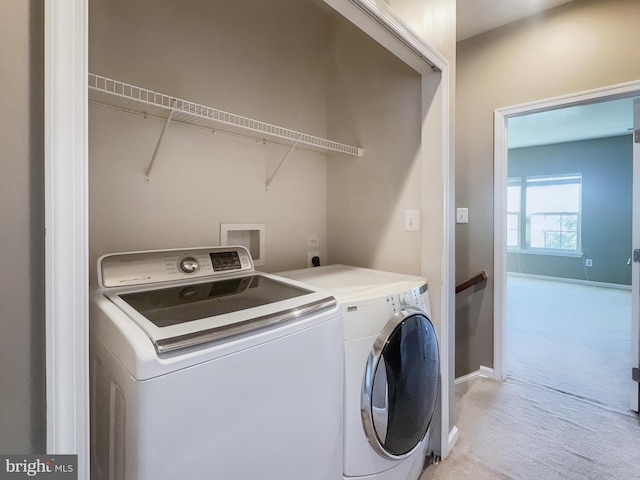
(501, 115)
(635, 267)
(66, 229)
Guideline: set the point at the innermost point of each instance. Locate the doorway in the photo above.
(569, 215)
(543, 262)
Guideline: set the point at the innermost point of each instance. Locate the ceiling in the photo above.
(478, 16)
(581, 122)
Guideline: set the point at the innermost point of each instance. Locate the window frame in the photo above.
(524, 228)
(513, 182)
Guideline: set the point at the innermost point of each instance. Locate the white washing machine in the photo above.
(392, 369)
(203, 368)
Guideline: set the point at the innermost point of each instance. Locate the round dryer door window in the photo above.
(401, 384)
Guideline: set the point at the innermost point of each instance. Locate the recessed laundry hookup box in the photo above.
(249, 235)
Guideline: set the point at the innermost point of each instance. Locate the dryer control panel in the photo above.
(415, 297)
(157, 266)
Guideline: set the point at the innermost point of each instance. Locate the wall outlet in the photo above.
(588, 262)
(314, 240)
(310, 256)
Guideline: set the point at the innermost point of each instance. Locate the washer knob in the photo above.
(189, 265)
(404, 300)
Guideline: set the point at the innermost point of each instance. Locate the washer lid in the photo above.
(176, 305)
(185, 297)
(401, 383)
(187, 315)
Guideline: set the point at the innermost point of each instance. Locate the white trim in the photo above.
(399, 29)
(543, 252)
(484, 372)
(468, 377)
(447, 302)
(501, 115)
(635, 267)
(487, 372)
(577, 281)
(66, 245)
(500, 241)
(452, 439)
(383, 24)
(612, 92)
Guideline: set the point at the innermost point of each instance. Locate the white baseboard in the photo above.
(569, 280)
(483, 371)
(453, 437)
(486, 372)
(468, 377)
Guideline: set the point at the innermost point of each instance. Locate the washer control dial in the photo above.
(189, 265)
(404, 300)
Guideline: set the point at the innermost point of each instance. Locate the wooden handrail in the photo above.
(480, 277)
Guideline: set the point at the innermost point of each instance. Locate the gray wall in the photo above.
(22, 358)
(606, 165)
(283, 63)
(579, 46)
(366, 197)
(264, 60)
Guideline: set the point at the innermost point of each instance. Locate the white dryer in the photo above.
(392, 369)
(203, 368)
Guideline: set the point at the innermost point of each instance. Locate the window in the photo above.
(552, 206)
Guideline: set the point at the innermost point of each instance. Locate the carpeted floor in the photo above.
(571, 337)
(517, 430)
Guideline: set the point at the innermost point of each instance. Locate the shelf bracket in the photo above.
(155, 152)
(266, 187)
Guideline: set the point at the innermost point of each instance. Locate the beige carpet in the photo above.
(518, 430)
(572, 338)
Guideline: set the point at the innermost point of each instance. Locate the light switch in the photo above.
(462, 215)
(412, 220)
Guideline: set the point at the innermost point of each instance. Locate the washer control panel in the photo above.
(141, 268)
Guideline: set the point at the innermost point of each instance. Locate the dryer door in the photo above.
(401, 383)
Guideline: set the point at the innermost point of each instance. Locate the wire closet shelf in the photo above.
(127, 97)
